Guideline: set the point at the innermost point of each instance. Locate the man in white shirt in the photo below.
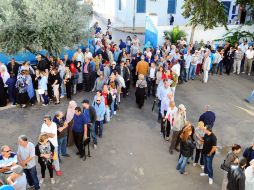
(88, 54)
(187, 58)
(193, 65)
(244, 46)
(50, 128)
(206, 66)
(176, 67)
(249, 56)
(151, 79)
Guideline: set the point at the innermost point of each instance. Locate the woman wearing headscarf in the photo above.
(5, 76)
(69, 119)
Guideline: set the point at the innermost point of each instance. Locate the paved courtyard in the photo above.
(132, 155)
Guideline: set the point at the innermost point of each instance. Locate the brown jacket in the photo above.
(142, 68)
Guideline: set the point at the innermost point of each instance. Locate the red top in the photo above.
(105, 95)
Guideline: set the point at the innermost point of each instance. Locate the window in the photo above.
(171, 6)
(226, 5)
(120, 5)
(141, 6)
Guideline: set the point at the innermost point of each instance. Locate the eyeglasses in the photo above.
(97, 100)
(7, 151)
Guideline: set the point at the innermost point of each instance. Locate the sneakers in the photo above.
(95, 146)
(59, 173)
(202, 167)
(41, 180)
(44, 104)
(194, 164)
(203, 174)
(62, 96)
(114, 112)
(248, 74)
(167, 138)
(210, 181)
(52, 180)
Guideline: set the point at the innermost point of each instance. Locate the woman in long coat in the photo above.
(141, 86)
(69, 119)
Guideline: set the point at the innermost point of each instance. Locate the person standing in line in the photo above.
(62, 132)
(208, 117)
(45, 152)
(26, 158)
(209, 150)
(249, 153)
(186, 149)
(79, 131)
(237, 60)
(198, 136)
(206, 66)
(179, 122)
(231, 160)
(17, 179)
(100, 109)
(236, 176)
(50, 128)
(90, 113)
(249, 60)
(142, 67)
(141, 86)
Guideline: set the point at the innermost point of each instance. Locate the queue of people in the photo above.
(109, 69)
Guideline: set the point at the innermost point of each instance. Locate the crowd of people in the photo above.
(109, 69)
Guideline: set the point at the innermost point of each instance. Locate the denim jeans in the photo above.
(187, 70)
(112, 107)
(45, 99)
(182, 162)
(93, 134)
(62, 146)
(208, 163)
(99, 128)
(63, 93)
(220, 67)
(192, 73)
(31, 177)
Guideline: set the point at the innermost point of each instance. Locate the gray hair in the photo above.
(23, 138)
(3, 147)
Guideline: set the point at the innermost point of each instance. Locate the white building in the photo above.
(126, 11)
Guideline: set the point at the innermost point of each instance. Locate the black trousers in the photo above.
(87, 82)
(199, 155)
(151, 85)
(78, 140)
(229, 67)
(43, 169)
(165, 127)
(68, 86)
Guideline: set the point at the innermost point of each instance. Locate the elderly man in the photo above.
(7, 160)
(249, 59)
(208, 117)
(42, 65)
(26, 158)
(142, 67)
(206, 66)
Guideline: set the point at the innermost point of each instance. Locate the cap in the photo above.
(85, 101)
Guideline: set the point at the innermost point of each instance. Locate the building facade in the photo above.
(134, 12)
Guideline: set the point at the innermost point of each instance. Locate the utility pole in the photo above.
(134, 14)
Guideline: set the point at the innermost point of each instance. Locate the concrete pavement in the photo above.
(132, 155)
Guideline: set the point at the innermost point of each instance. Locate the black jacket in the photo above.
(236, 178)
(92, 113)
(126, 75)
(187, 147)
(14, 69)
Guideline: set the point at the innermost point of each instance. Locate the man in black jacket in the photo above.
(236, 176)
(90, 114)
(13, 67)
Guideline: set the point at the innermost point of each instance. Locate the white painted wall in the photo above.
(200, 33)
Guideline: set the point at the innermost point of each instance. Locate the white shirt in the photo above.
(152, 73)
(243, 47)
(50, 129)
(207, 64)
(249, 54)
(88, 55)
(187, 59)
(249, 181)
(176, 68)
(171, 113)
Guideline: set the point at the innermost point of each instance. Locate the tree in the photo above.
(36, 25)
(208, 13)
(175, 34)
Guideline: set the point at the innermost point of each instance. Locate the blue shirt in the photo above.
(86, 114)
(78, 123)
(6, 187)
(208, 118)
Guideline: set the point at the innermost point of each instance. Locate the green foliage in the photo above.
(36, 25)
(236, 35)
(175, 34)
(208, 13)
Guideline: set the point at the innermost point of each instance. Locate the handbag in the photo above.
(224, 167)
(54, 156)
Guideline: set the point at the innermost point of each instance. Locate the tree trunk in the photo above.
(192, 33)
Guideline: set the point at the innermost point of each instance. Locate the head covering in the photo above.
(70, 110)
(182, 107)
